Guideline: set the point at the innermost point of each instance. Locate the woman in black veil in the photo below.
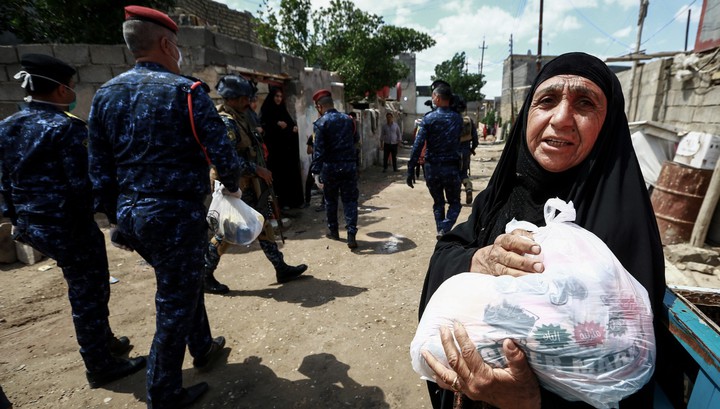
(281, 139)
(550, 153)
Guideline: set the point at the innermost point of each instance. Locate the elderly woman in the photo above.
(571, 141)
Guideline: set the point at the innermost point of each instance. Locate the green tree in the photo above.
(62, 21)
(463, 83)
(343, 38)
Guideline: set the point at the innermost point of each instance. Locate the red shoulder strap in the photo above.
(192, 121)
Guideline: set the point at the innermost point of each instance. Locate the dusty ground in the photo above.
(337, 338)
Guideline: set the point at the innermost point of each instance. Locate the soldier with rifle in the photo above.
(257, 191)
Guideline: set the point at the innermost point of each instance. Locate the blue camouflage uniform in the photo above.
(150, 173)
(48, 198)
(335, 160)
(441, 129)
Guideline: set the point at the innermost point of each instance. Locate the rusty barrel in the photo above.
(677, 198)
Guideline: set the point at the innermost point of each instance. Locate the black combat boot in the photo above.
(287, 273)
(213, 286)
(120, 368)
(119, 345)
(333, 234)
(351, 243)
(210, 284)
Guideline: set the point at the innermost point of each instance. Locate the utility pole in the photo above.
(687, 28)
(633, 100)
(512, 86)
(482, 56)
(540, 27)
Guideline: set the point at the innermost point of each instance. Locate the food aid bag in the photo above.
(585, 324)
(238, 222)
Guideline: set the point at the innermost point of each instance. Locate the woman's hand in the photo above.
(512, 387)
(282, 124)
(510, 254)
(295, 129)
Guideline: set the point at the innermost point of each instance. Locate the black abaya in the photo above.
(283, 152)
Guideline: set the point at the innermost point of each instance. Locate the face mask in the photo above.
(180, 59)
(27, 82)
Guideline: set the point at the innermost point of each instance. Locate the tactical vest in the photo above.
(241, 135)
(466, 134)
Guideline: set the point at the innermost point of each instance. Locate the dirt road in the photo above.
(338, 338)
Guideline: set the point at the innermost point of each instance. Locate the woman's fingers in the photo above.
(444, 377)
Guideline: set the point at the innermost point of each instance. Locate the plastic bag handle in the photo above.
(557, 210)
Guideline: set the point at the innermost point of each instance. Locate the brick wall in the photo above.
(232, 23)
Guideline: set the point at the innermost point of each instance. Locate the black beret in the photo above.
(47, 66)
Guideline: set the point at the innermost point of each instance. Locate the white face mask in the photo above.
(180, 59)
(27, 83)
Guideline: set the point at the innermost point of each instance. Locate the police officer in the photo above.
(335, 161)
(153, 134)
(48, 198)
(468, 144)
(237, 93)
(441, 129)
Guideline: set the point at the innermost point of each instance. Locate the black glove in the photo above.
(473, 152)
(410, 180)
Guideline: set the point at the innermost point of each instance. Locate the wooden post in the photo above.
(710, 201)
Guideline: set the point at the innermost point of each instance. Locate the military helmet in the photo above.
(235, 86)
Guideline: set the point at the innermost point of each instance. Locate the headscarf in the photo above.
(607, 189)
(271, 113)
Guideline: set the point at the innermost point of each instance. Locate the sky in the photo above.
(604, 28)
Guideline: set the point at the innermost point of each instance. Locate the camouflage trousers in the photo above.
(342, 181)
(78, 246)
(171, 235)
(443, 182)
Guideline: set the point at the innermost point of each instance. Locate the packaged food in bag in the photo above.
(585, 324)
(238, 222)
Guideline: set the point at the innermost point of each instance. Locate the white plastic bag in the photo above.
(585, 324)
(238, 222)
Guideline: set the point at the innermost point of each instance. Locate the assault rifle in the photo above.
(267, 197)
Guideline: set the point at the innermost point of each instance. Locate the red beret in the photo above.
(151, 15)
(321, 93)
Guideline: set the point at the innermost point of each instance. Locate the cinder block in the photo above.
(259, 52)
(8, 254)
(244, 49)
(27, 254)
(273, 57)
(225, 44)
(8, 55)
(195, 37)
(12, 91)
(95, 73)
(106, 54)
(73, 54)
(34, 49)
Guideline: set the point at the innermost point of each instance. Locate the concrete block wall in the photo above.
(690, 105)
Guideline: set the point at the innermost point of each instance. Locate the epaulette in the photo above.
(205, 86)
(75, 117)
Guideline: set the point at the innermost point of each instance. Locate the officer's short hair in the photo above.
(326, 101)
(443, 92)
(142, 36)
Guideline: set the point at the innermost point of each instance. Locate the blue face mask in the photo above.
(72, 105)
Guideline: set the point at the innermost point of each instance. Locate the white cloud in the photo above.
(623, 32)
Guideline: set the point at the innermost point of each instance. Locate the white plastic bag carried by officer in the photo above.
(237, 222)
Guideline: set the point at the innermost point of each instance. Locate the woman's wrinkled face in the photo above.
(277, 98)
(564, 120)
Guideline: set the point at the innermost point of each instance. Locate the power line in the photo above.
(669, 22)
(615, 40)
